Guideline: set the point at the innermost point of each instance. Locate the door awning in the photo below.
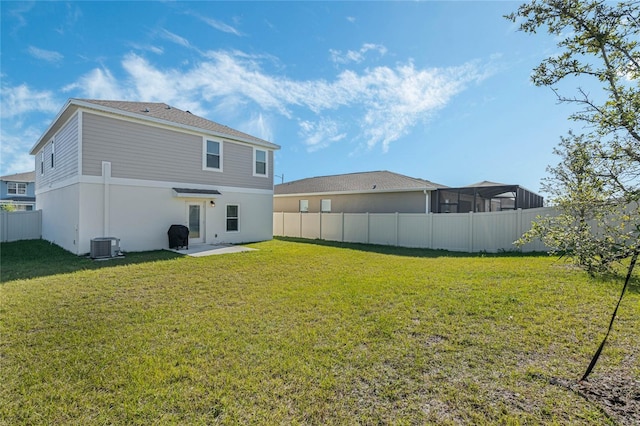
(195, 193)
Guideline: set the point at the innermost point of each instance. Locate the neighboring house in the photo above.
(132, 169)
(19, 190)
(485, 197)
(372, 192)
(387, 192)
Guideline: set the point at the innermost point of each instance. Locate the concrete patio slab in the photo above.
(201, 250)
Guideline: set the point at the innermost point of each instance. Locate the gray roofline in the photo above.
(89, 105)
(19, 177)
(351, 192)
(32, 151)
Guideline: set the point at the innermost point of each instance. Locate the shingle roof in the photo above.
(162, 111)
(156, 112)
(20, 177)
(485, 183)
(355, 182)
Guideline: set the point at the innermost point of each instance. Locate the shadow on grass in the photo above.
(39, 258)
(634, 286)
(407, 251)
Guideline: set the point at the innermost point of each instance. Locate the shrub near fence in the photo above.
(467, 232)
(20, 225)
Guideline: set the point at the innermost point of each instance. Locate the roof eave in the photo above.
(170, 123)
(368, 191)
(88, 105)
(40, 140)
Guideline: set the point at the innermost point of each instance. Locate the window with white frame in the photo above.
(53, 152)
(325, 206)
(304, 206)
(260, 162)
(233, 218)
(17, 188)
(42, 162)
(212, 155)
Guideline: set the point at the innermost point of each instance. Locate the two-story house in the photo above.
(18, 190)
(132, 169)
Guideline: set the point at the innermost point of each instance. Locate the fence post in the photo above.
(320, 225)
(471, 231)
(4, 219)
(430, 221)
(342, 227)
(368, 226)
(397, 228)
(519, 230)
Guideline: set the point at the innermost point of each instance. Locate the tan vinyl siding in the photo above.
(139, 151)
(65, 159)
(388, 202)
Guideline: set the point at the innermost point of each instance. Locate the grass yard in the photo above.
(307, 333)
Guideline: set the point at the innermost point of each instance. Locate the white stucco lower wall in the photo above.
(141, 216)
(60, 216)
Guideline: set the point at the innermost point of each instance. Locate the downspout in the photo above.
(427, 203)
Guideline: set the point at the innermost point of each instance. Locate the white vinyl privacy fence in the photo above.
(21, 225)
(466, 232)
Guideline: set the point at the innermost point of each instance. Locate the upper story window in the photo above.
(212, 155)
(260, 162)
(53, 152)
(17, 188)
(42, 163)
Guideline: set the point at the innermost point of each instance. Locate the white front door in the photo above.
(195, 218)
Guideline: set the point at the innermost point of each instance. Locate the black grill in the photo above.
(178, 236)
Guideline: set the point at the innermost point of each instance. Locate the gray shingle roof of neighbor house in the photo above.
(378, 181)
(20, 177)
(485, 183)
(157, 112)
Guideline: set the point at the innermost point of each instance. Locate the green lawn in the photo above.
(304, 333)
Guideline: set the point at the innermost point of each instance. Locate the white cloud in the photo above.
(216, 24)
(220, 26)
(99, 84)
(46, 55)
(258, 125)
(386, 101)
(150, 84)
(14, 150)
(148, 47)
(20, 162)
(22, 99)
(356, 56)
(168, 35)
(320, 134)
(18, 11)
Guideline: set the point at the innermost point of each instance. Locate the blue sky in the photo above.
(435, 90)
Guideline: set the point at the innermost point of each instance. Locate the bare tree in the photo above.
(596, 186)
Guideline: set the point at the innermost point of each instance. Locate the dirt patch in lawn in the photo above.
(617, 394)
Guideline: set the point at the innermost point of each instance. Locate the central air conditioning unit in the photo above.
(105, 247)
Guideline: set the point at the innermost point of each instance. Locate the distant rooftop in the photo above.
(20, 177)
(485, 183)
(382, 181)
